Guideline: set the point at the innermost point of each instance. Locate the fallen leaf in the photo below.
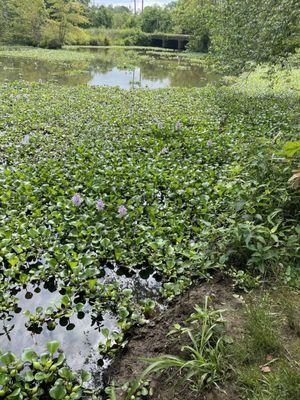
(265, 369)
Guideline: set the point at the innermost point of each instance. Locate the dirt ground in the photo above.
(152, 341)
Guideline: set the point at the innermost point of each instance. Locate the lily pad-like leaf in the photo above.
(15, 394)
(60, 359)
(66, 373)
(4, 378)
(7, 358)
(29, 355)
(58, 392)
(53, 346)
(85, 376)
(29, 377)
(40, 376)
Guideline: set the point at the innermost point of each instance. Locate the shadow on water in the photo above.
(110, 67)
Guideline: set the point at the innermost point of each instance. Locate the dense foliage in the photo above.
(53, 23)
(255, 31)
(239, 34)
(90, 179)
(40, 22)
(44, 376)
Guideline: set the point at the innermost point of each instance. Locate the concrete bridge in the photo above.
(169, 41)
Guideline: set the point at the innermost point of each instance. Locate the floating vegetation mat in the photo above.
(112, 202)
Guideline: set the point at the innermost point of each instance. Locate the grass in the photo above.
(201, 363)
(266, 360)
(257, 357)
(264, 80)
(261, 331)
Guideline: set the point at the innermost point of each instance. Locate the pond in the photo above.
(80, 334)
(108, 67)
(75, 303)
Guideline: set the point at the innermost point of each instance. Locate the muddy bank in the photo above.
(152, 341)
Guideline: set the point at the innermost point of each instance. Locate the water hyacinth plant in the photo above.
(166, 220)
(77, 199)
(42, 376)
(122, 210)
(100, 205)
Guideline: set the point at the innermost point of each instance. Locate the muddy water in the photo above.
(110, 67)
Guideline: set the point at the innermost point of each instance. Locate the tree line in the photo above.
(234, 31)
(48, 23)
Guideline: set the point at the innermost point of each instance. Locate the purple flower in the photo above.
(25, 139)
(77, 200)
(122, 210)
(209, 143)
(160, 125)
(164, 150)
(178, 125)
(100, 205)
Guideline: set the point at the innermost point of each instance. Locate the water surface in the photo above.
(110, 67)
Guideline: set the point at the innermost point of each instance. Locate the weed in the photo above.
(261, 335)
(202, 362)
(281, 384)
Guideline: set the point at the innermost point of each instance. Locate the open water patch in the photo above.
(79, 334)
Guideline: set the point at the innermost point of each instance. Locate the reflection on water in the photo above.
(111, 67)
(126, 79)
(80, 342)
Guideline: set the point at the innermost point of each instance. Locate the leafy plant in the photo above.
(244, 280)
(131, 391)
(37, 376)
(202, 362)
(292, 150)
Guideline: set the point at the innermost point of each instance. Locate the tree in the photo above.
(3, 19)
(156, 18)
(101, 16)
(255, 31)
(67, 14)
(123, 18)
(196, 17)
(23, 21)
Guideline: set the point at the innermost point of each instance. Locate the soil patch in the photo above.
(152, 341)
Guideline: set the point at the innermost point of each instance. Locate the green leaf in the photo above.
(4, 378)
(28, 355)
(85, 376)
(105, 332)
(29, 377)
(58, 392)
(41, 376)
(7, 358)
(53, 346)
(61, 359)
(15, 393)
(66, 373)
(291, 148)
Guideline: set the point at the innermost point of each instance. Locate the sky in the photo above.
(129, 3)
